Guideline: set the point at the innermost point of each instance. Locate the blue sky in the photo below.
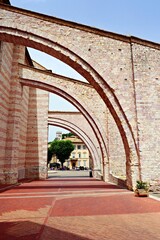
(140, 18)
(129, 17)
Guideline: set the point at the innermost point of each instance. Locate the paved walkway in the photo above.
(76, 209)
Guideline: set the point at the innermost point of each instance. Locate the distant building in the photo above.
(58, 135)
(80, 156)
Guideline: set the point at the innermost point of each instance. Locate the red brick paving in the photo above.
(76, 209)
(88, 206)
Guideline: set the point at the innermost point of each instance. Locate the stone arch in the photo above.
(60, 92)
(64, 86)
(85, 138)
(18, 33)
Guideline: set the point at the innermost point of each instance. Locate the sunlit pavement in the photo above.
(70, 173)
(76, 208)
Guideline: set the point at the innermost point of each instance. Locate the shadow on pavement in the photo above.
(27, 230)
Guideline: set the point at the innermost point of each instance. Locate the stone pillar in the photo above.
(13, 123)
(106, 171)
(6, 55)
(37, 135)
(133, 171)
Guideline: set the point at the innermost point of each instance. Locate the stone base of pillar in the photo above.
(106, 172)
(21, 173)
(9, 176)
(37, 172)
(96, 173)
(133, 174)
(118, 181)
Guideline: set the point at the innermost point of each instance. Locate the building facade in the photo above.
(80, 157)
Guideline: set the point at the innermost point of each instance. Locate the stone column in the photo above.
(106, 171)
(13, 123)
(37, 135)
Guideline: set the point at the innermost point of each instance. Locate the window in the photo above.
(79, 163)
(79, 155)
(84, 155)
(73, 155)
(79, 146)
(84, 163)
(84, 146)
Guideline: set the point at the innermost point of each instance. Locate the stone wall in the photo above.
(6, 58)
(117, 159)
(147, 89)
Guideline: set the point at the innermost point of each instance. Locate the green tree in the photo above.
(62, 149)
(65, 135)
(50, 154)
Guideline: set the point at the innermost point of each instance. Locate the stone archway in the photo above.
(80, 60)
(44, 85)
(83, 131)
(66, 87)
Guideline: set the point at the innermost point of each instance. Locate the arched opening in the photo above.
(117, 166)
(82, 135)
(93, 151)
(67, 94)
(60, 92)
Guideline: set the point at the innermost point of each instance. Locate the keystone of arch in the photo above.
(14, 29)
